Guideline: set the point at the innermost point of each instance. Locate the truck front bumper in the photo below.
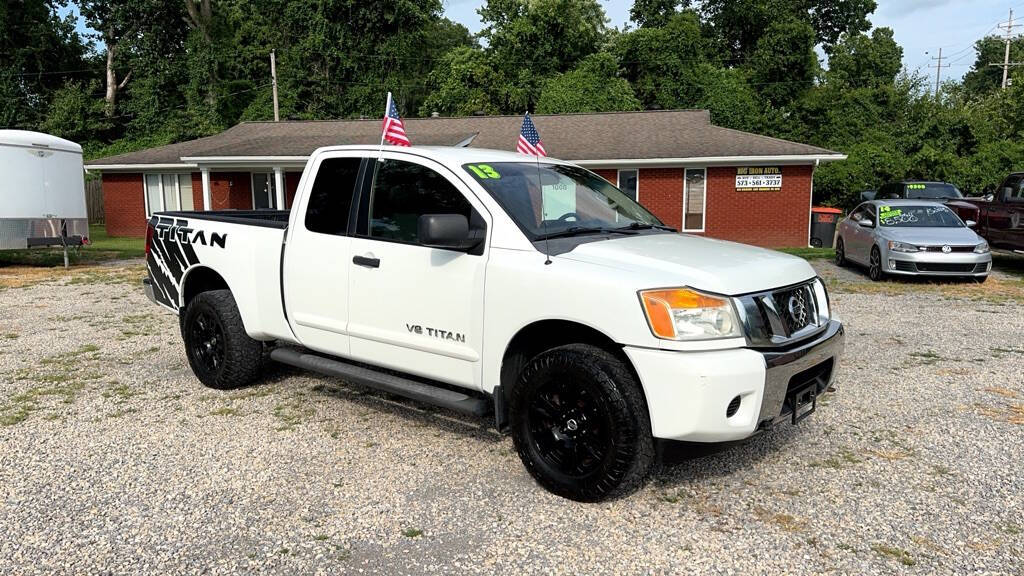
(693, 396)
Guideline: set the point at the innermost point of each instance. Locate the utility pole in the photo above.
(938, 71)
(273, 82)
(1009, 25)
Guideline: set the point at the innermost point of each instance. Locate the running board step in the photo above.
(387, 382)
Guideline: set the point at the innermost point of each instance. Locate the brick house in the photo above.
(693, 175)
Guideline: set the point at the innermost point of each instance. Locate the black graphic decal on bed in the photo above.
(170, 255)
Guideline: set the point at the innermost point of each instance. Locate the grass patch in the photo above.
(412, 532)
(898, 554)
(225, 411)
(290, 415)
(927, 357)
(101, 248)
(21, 405)
(808, 253)
(996, 290)
(787, 522)
(10, 336)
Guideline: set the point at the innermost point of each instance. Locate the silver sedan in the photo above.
(911, 237)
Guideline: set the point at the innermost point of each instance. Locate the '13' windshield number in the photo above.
(484, 171)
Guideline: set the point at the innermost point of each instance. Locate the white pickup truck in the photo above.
(492, 282)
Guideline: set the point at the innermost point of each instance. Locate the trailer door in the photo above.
(63, 184)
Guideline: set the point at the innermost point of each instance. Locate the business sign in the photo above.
(755, 178)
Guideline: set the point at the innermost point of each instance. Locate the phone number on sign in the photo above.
(759, 182)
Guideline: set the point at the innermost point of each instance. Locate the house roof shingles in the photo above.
(604, 136)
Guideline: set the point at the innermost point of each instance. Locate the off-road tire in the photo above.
(239, 358)
(840, 259)
(612, 408)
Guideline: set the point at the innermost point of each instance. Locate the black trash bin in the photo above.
(823, 226)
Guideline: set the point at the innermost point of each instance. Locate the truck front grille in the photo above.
(795, 307)
(783, 316)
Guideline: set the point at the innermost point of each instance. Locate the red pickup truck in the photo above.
(999, 216)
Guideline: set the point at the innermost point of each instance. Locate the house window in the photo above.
(168, 192)
(693, 199)
(627, 182)
(264, 194)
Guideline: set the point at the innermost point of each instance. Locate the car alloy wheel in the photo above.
(875, 268)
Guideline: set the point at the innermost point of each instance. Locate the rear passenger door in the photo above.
(411, 307)
(317, 257)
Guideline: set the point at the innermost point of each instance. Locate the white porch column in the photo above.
(207, 196)
(279, 187)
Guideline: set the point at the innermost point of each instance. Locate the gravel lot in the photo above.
(113, 459)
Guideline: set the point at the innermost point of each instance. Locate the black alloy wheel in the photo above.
(206, 338)
(570, 429)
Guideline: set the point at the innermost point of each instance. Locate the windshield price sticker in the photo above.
(759, 178)
(484, 171)
(886, 213)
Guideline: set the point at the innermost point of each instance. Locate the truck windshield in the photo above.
(549, 200)
(932, 190)
(918, 217)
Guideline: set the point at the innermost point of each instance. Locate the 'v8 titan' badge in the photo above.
(436, 333)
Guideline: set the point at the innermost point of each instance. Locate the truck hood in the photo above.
(932, 236)
(705, 264)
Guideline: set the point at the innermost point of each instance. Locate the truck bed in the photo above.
(265, 218)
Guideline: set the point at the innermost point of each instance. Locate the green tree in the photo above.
(593, 86)
(75, 114)
(859, 59)
(528, 40)
(738, 25)
(464, 82)
(655, 12)
(35, 44)
(784, 64)
(665, 64)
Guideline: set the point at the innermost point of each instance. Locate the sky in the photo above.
(921, 27)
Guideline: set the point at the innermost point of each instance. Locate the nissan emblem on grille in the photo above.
(797, 307)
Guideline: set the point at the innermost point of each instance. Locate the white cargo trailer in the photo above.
(42, 192)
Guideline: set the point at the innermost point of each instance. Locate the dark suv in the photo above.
(918, 190)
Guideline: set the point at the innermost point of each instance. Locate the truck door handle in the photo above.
(365, 261)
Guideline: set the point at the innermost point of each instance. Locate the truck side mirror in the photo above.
(448, 231)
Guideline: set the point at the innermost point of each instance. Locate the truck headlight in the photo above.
(981, 248)
(902, 247)
(821, 297)
(684, 314)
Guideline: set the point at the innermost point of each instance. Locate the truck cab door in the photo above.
(1005, 219)
(316, 266)
(415, 308)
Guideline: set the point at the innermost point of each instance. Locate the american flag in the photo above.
(529, 139)
(394, 130)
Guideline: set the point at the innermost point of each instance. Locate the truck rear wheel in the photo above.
(580, 423)
(219, 351)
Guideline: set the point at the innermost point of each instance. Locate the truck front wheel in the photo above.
(219, 351)
(580, 423)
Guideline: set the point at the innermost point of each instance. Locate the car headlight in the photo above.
(902, 247)
(684, 314)
(981, 248)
